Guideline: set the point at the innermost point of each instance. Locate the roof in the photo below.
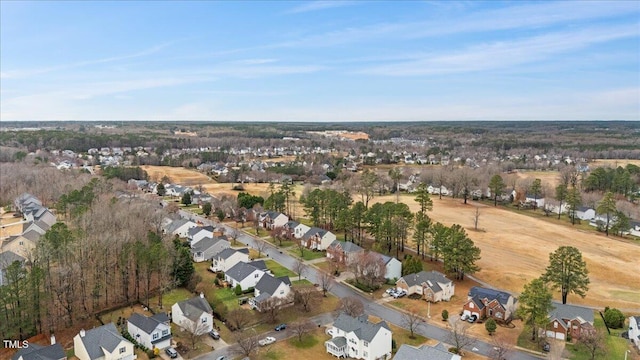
(144, 323)
(39, 352)
(339, 341)
(272, 214)
(105, 336)
(207, 243)
(259, 264)
(313, 231)
(9, 257)
(240, 271)
(291, 224)
(268, 284)
(176, 224)
(346, 246)
(31, 235)
(489, 294)
(161, 317)
(194, 307)
(228, 252)
(437, 352)
(570, 312)
(430, 278)
(386, 259)
(360, 326)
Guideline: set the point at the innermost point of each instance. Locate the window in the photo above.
(155, 336)
(281, 292)
(256, 276)
(471, 305)
(490, 312)
(123, 350)
(365, 354)
(366, 343)
(21, 243)
(204, 320)
(165, 332)
(555, 324)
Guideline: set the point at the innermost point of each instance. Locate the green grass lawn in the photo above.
(300, 282)
(308, 341)
(170, 298)
(283, 244)
(227, 296)
(307, 254)
(279, 270)
(524, 339)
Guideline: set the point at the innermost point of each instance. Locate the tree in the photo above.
(261, 246)
(459, 253)
(272, 307)
(239, 318)
(466, 179)
(439, 234)
(326, 283)
(502, 348)
(186, 198)
(194, 331)
(536, 190)
(206, 209)
(411, 265)
(535, 304)
(395, 174)
(421, 233)
(496, 185)
(238, 290)
(306, 297)
(459, 337)
(562, 193)
(412, 321)
(369, 269)
(614, 318)
(160, 190)
(594, 342)
(574, 200)
(476, 218)
(366, 186)
(568, 272)
(491, 326)
(445, 315)
(301, 328)
(622, 224)
(336, 260)
(607, 206)
(299, 267)
(183, 268)
(351, 306)
(423, 198)
(247, 343)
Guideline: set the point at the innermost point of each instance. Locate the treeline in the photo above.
(107, 254)
(620, 180)
(297, 170)
(125, 173)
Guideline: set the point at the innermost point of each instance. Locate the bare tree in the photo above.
(476, 217)
(247, 343)
(326, 283)
(306, 297)
(299, 267)
(594, 342)
(261, 246)
(234, 234)
(502, 348)
(351, 306)
(194, 331)
(412, 321)
(459, 334)
(369, 268)
(301, 328)
(272, 307)
(239, 318)
(336, 260)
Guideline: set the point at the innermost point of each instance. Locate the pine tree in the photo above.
(535, 304)
(568, 272)
(607, 206)
(496, 185)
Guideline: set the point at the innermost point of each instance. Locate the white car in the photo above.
(399, 294)
(267, 341)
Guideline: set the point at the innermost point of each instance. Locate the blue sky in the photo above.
(320, 61)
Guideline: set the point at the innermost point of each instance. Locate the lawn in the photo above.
(226, 296)
(307, 254)
(282, 244)
(524, 339)
(616, 345)
(294, 313)
(300, 282)
(401, 335)
(279, 270)
(170, 298)
(312, 347)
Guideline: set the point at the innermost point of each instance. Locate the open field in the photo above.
(177, 175)
(516, 247)
(613, 162)
(548, 178)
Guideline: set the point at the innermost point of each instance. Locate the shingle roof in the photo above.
(106, 336)
(144, 323)
(339, 341)
(205, 244)
(360, 326)
(347, 246)
(9, 257)
(291, 224)
(161, 317)
(194, 307)
(259, 264)
(176, 224)
(31, 235)
(431, 278)
(39, 352)
(489, 294)
(565, 311)
(408, 352)
(228, 252)
(268, 284)
(240, 271)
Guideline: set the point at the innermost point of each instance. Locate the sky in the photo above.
(320, 60)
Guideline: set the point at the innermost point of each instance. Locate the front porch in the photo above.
(337, 346)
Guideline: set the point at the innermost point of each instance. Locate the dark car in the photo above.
(281, 327)
(546, 347)
(171, 352)
(214, 334)
(472, 318)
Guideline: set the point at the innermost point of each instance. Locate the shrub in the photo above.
(238, 290)
(490, 326)
(445, 315)
(614, 318)
(453, 350)
(220, 275)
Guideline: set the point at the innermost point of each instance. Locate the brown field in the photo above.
(6, 227)
(355, 136)
(177, 175)
(548, 178)
(515, 249)
(613, 162)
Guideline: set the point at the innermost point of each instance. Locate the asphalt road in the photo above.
(340, 290)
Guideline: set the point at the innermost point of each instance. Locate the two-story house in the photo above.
(40, 352)
(150, 331)
(293, 229)
(489, 303)
(358, 338)
(103, 343)
(432, 285)
(436, 352)
(317, 239)
(243, 274)
(193, 315)
(272, 219)
(270, 287)
(180, 227)
(228, 258)
(346, 251)
(392, 266)
(567, 320)
(195, 234)
(207, 248)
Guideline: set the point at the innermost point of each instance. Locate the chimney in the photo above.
(53, 339)
(202, 295)
(82, 333)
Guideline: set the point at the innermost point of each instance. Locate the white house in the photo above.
(228, 258)
(194, 315)
(243, 274)
(634, 330)
(208, 248)
(180, 227)
(151, 332)
(102, 343)
(39, 352)
(195, 234)
(436, 352)
(585, 213)
(270, 287)
(347, 251)
(539, 201)
(272, 219)
(433, 286)
(295, 229)
(635, 228)
(358, 338)
(317, 239)
(393, 267)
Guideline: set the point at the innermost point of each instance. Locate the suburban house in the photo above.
(243, 274)
(393, 267)
(228, 258)
(539, 200)
(7, 258)
(26, 200)
(294, 229)
(208, 248)
(272, 219)
(358, 338)
(635, 228)
(434, 286)
(634, 330)
(585, 213)
(180, 227)
(489, 303)
(317, 239)
(570, 320)
(193, 315)
(270, 287)
(195, 234)
(150, 331)
(102, 343)
(346, 250)
(41, 352)
(38, 226)
(23, 244)
(40, 214)
(436, 352)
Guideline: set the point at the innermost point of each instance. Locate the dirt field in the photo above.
(516, 247)
(355, 135)
(548, 178)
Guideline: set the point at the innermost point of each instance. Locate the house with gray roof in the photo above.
(150, 331)
(207, 248)
(180, 227)
(317, 239)
(102, 343)
(243, 274)
(294, 230)
(7, 258)
(193, 315)
(195, 234)
(270, 287)
(272, 219)
(40, 352)
(489, 303)
(393, 266)
(569, 320)
(436, 352)
(346, 251)
(228, 258)
(357, 338)
(434, 286)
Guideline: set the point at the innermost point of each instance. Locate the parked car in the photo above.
(171, 352)
(472, 318)
(399, 294)
(464, 317)
(267, 341)
(546, 347)
(390, 291)
(214, 334)
(281, 327)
